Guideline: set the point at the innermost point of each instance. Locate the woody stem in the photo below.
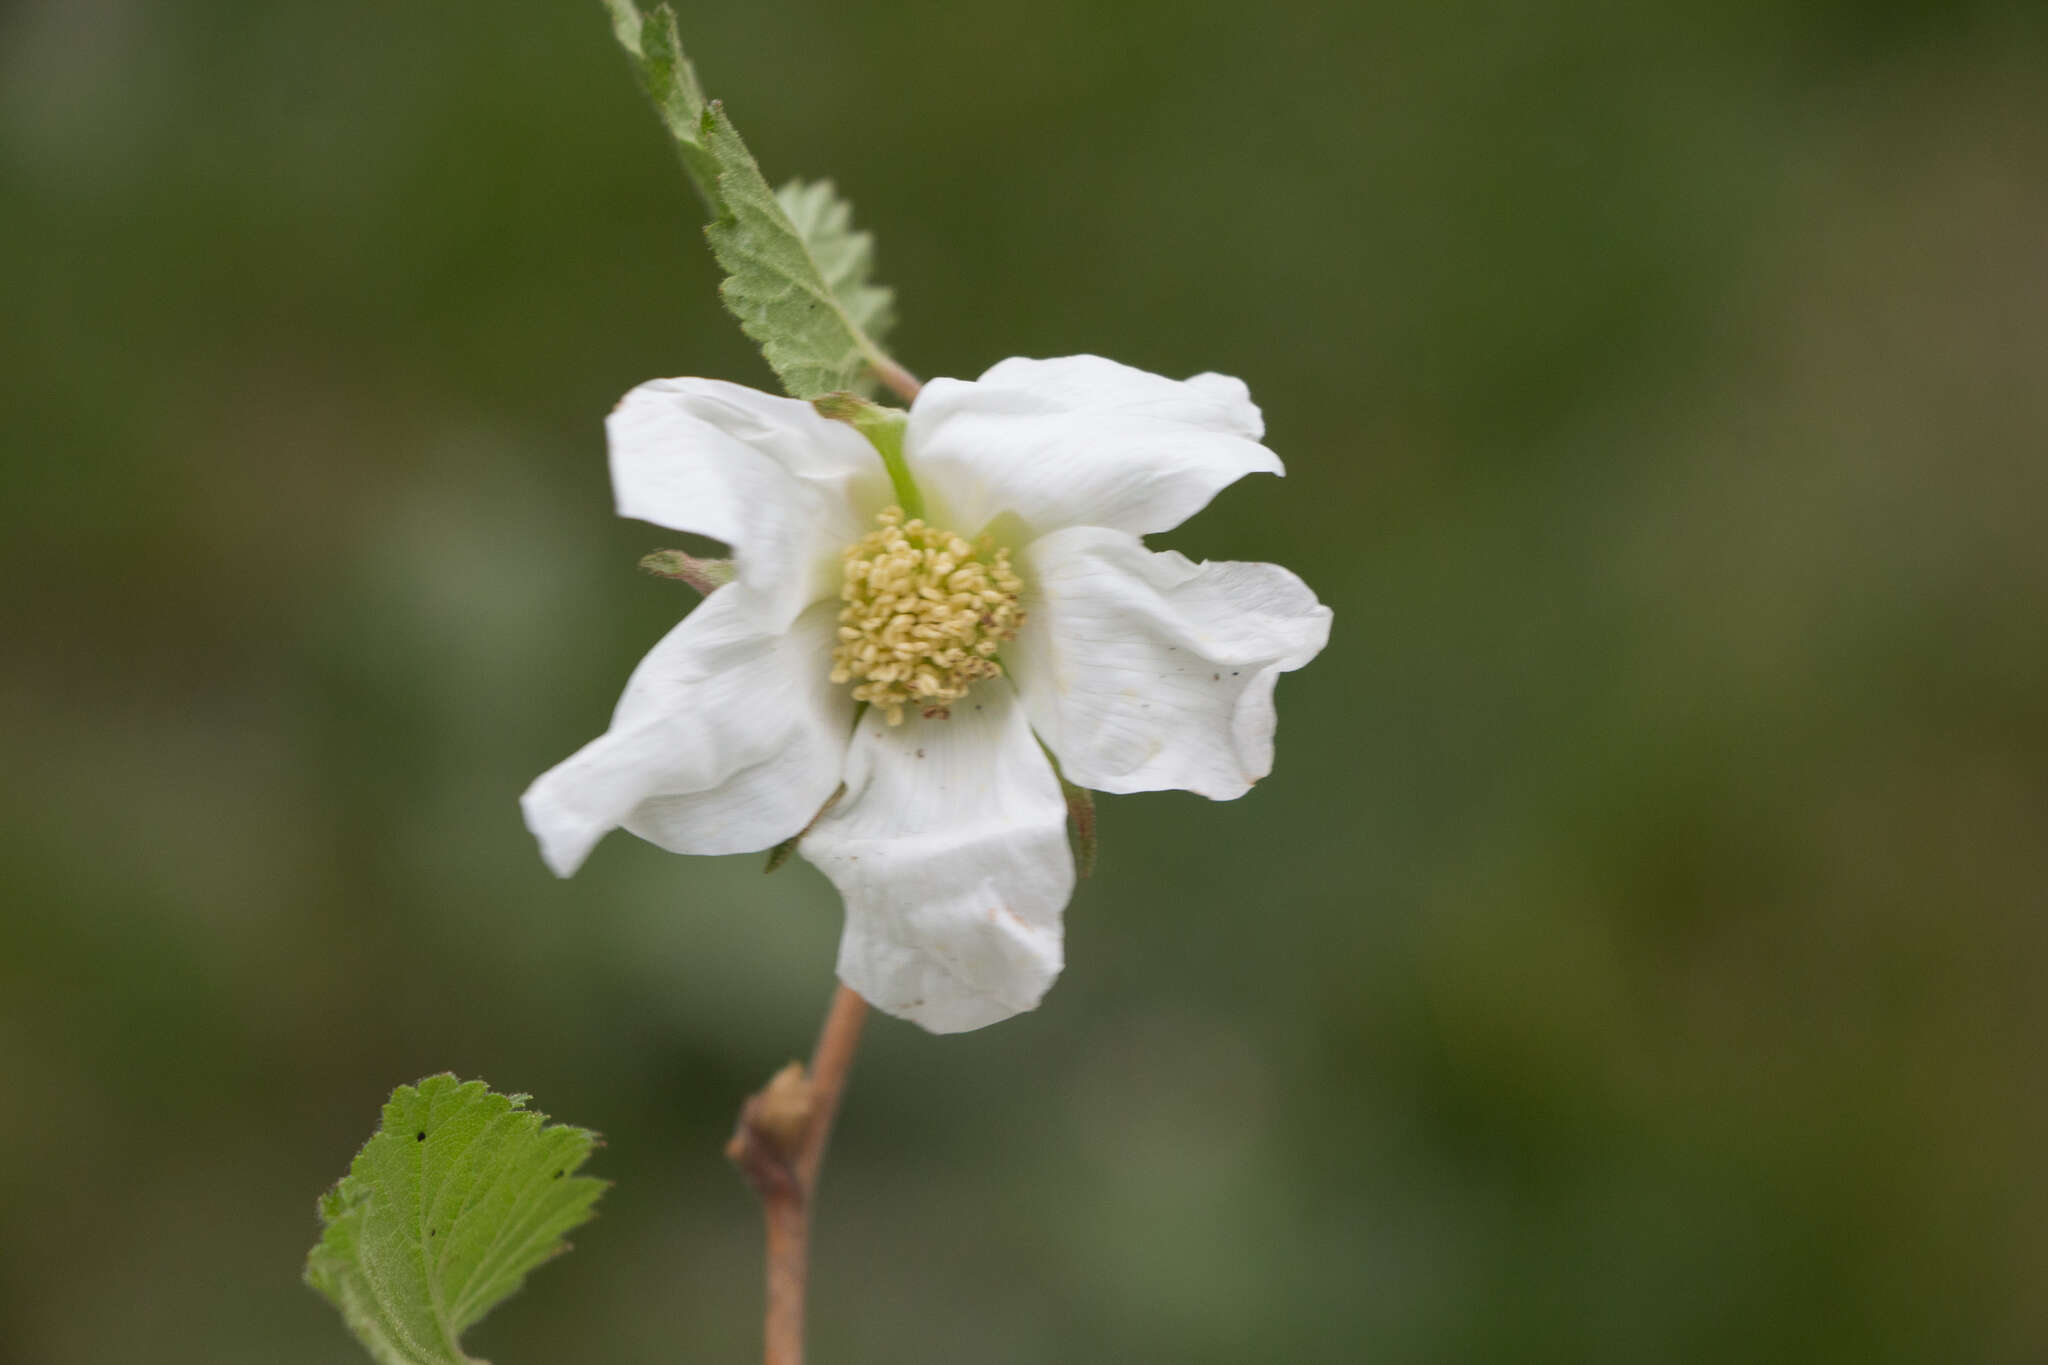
(779, 1146)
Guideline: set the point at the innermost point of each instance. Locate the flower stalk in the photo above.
(779, 1146)
(883, 428)
(894, 377)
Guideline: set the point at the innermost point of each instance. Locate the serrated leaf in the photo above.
(798, 275)
(655, 44)
(443, 1213)
(845, 257)
(773, 283)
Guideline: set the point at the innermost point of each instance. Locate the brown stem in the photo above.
(779, 1146)
(830, 1064)
(895, 378)
(789, 1235)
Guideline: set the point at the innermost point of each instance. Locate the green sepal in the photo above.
(1080, 826)
(884, 429)
(443, 1213)
(1080, 816)
(705, 575)
(786, 850)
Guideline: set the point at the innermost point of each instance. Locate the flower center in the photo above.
(925, 613)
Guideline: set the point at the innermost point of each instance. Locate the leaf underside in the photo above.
(798, 276)
(444, 1212)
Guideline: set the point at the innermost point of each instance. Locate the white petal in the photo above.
(950, 850)
(786, 488)
(1081, 441)
(727, 740)
(1149, 672)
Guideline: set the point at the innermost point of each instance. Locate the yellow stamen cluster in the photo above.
(925, 613)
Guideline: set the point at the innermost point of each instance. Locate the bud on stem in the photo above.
(705, 575)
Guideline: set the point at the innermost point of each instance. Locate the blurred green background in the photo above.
(1636, 955)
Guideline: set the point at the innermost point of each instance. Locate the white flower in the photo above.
(1136, 670)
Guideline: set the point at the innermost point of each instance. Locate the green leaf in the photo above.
(798, 276)
(775, 285)
(443, 1213)
(845, 257)
(656, 47)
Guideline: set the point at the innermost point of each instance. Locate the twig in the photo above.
(779, 1146)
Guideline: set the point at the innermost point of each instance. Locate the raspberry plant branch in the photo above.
(779, 1146)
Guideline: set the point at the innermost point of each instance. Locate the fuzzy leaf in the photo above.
(656, 46)
(774, 284)
(845, 257)
(443, 1213)
(798, 275)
